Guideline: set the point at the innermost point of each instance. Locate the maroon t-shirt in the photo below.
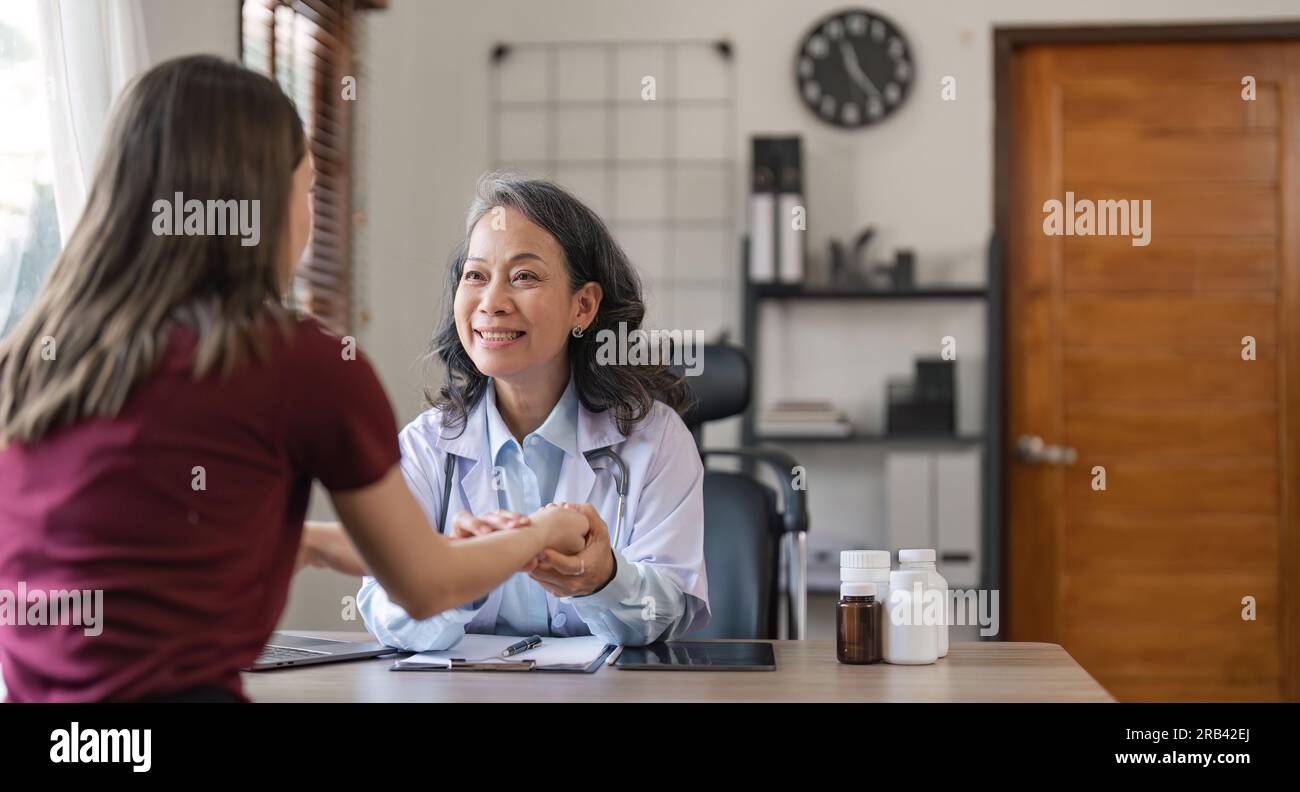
(186, 509)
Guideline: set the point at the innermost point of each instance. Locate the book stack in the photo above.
(803, 419)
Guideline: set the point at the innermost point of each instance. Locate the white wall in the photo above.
(189, 27)
(924, 178)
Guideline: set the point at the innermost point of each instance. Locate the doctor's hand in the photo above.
(585, 572)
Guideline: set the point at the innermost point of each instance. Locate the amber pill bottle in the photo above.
(858, 623)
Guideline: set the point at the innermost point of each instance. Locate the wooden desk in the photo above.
(805, 671)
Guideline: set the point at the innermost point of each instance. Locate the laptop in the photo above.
(283, 650)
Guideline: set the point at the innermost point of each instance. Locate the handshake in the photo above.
(577, 558)
(562, 531)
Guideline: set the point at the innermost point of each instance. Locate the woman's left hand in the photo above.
(587, 571)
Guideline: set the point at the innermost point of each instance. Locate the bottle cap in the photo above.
(857, 589)
(915, 556)
(855, 575)
(864, 559)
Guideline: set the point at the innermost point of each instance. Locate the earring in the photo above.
(577, 331)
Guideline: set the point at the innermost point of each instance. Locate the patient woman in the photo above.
(537, 287)
(163, 415)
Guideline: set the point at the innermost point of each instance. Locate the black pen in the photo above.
(522, 646)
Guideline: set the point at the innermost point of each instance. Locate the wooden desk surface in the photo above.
(805, 671)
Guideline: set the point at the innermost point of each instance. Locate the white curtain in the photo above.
(91, 49)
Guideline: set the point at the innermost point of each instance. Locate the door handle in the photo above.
(1032, 450)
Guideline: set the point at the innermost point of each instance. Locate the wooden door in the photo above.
(1132, 359)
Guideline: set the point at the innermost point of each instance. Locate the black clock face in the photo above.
(853, 69)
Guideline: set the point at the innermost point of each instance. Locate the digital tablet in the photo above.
(698, 656)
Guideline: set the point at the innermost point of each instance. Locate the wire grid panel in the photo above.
(644, 133)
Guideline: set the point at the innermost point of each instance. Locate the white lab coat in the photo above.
(660, 590)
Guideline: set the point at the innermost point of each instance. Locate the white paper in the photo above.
(475, 648)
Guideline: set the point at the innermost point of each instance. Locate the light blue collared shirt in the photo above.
(525, 478)
(660, 588)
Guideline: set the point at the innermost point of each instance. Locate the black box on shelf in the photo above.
(935, 380)
(926, 406)
(921, 418)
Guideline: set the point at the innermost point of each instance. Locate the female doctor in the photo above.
(524, 399)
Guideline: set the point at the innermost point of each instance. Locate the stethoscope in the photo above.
(620, 482)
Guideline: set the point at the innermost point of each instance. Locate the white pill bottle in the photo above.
(923, 560)
(911, 641)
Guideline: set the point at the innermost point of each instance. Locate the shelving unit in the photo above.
(873, 439)
(772, 291)
(991, 443)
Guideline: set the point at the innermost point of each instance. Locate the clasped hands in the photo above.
(576, 575)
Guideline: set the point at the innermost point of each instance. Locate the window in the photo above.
(307, 46)
(29, 228)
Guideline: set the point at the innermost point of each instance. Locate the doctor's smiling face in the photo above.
(534, 263)
(515, 305)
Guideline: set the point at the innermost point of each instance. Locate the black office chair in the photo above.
(748, 535)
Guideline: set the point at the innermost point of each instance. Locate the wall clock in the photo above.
(854, 68)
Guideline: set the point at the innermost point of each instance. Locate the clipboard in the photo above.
(454, 663)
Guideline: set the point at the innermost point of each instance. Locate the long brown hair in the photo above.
(200, 126)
